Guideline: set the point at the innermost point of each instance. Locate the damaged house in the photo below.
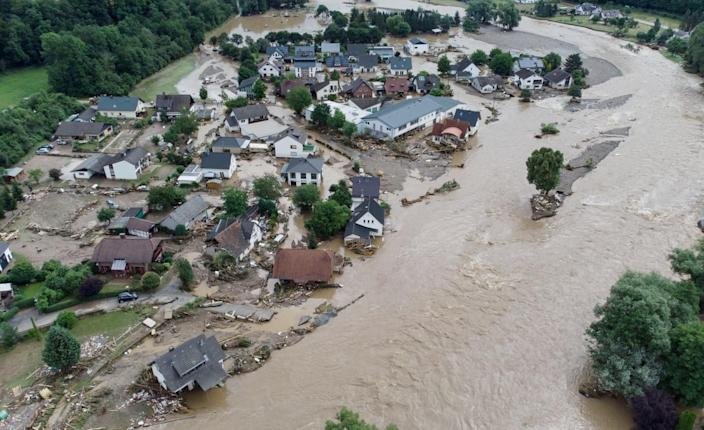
(126, 165)
(192, 211)
(367, 220)
(450, 133)
(303, 266)
(198, 361)
(237, 236)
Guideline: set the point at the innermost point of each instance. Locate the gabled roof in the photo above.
(396, 84)
(337, 61)
(303, 165)
(303, 265)
(3, 247)
(354, 85)
(530, 63)
(366, 186)
(11, 172)
(304, 51)
(488, 80)
(196, 360)
(357, 49)
(249, 82)
(368, 61)
(525, 73)
(230, 142)
(134, 156)
(216, 160)
(94, 164)
(330, 48)
(134, 250)
(426, 83)
(304, 63)
(319, 85)
(365, 102)
(399, 114)
(369, 205)
(233, 234)
(83, 129)
(118, 104)
(471, 117)
(462, 65)
(450, 126)
(131, 223)
(173, 102)
(417, 41)
(281, 50)
(87, 115)
(185, 213)
(271, 61)
(400, 63)
(556, 76)
(249, 112)
(294, 133)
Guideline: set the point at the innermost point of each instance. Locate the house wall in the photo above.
(416, 49)
(253, 240)
(368, 221)
(531, 83)
(398, 72)
(5, 259)
(305, 72)
(486, 89)
(122, 170)
(138, 233)
(289, 147)
(120, 114)
(376, 127)
(83, 174)
(565, 83)
(296, 178)
(220, 173)
(268, 70)
(333, 88)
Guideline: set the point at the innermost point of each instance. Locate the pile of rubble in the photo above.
(544, 206)
(94, 346)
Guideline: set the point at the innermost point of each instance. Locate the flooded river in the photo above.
(473, 315)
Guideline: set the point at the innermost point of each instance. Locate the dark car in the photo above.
(126, 297)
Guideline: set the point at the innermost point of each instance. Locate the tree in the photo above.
(66, 319)
(17, 194)
(444, 65)
(479, 57)
(689, 263)
(481, 11)
(573, 62)
(335, 75)
(22, 272)
(321, 10)
(306, 196)
(337, 120)
(552, 61)
(328, 218)
(235, 202)
(545, 8)
(320, 115)
(259, 90)
(203, 94)
(183, 127)
(106, 214)
(36, 175)
(549, 128)
(180, 230)
(677, 45)
(544, 168)
(267, 207)
(298, 99)
(165, 197)
(349, 129)
(341, 194)
(185, 272)
(694, 57)
(8, 335)
(508, 15)
(685, 364)
(61, 349)
(501, 63)
(236, 103)
(90, 287)
(654, 410)
(349, 420)
(574, 91)
(55, 174)
(267, 187)
(396, 25)
(150, 281)
(469, 25)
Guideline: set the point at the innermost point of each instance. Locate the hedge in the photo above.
(63, 304)
(8, 314)
(23, 302)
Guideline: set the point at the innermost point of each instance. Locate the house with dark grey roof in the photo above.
(424, 84)
(120, 107)
(170, 106)
(366, 222)
(123, 255)
(400, 65)
(88, 115)
(355, 50)
(238, 236)
(304, 51)
(369, 104)
(526, 79)
(301, 171)
(196, 362)
(82, 131)
(234, 145)
(305, 67)
(132, 226)
(323, 90)
(277, 52)
(293, 143)
(247, 115)
(366, 63)
(416, 46)
(126, 165)
(464, 70)
(218, 165)
(190, 212)
(558, 79)
(336, 61)
(330, 48)
(364, 187)
(471, 117)
(246, 87)
(487, 84)
(534, 64)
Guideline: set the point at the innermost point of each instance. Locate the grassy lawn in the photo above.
(583, 21)
(31, 290)
(650, 16)
(20, 83)
(108, 324)
(165, 80)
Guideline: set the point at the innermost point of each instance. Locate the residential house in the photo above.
(88, 115)
(465, 70)
(246, 115)
(400, 66)
(120, 107)
(13, 174)
(302, 171)
(123, 256)
(303, 266)
(6, 295)
(366, 222)
(417, 46)
(356, 50)
(487, 84)
(218, 165)
(323, 90)
(352, 113)
(304, 51)
(190, 175)
(424, 84)
(132, 226)
(170, 106)
(234, 145)
(190, 212)
(336, 61)
(82, 131)
(359, 88)
(205, 114)
(587, 9)
(238, 236)
(368, 104)
(287, 85)
(366, 63)
(126, 165)
(450, 132)
(558, 79)
(471, 117)
(330, 48)
(534, 64)
(198, 361)
(396, 119)
(383, 52)
(277, 52)
(396, 86)
(5, 256)
(270, 67)
(293, 143)
(528, 80)
(365, 187)
(305, 67)
(607, 15)
(246, 88)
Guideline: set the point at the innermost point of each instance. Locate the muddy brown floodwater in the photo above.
(473, 315)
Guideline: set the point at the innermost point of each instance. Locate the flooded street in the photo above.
(473, 315)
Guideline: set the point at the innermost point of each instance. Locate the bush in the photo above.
(63, 304)
(180, 230)
(22, 272)
(150, 281)
(8, 314)
(8, 335)
(686, 420)
(55, 174)
(655, 409)
(66, 319)
(61, 349)
(90, 287)
(267, 187)
(549, 129)
(243, 342)
(223, 259)
(267, 207)
(159, 268)
(328, 218)
(20, 302)
(185, 273)
(305, 196)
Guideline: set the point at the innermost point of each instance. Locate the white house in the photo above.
(352, 113)
(528, 80)
(302, 171)
(323, 90)
(217, 165)
(558, 79)
(126, 165)
(417, 46)
(270, 68)
(396, 119)
(246, 115)
(120, 107)
(293, 143)
(235, 145)
(305, 68)
(487, 84)
(465, 70)
(367, 63)
(384, 52)
(587, 9)
(190, 175)
(366, 222)
(5, 256)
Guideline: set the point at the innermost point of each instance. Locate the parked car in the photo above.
(126, 296)
(43, 150)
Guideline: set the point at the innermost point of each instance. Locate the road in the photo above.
(23, 320)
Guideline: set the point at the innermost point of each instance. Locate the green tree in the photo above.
(349, 420)
(320, 115)
(694, 58)
(306, 196)
(203, 94)
(573, 62)
(180, 230)
(552, 61)
(677, 45)
(545, 8)
(267, 207)
(444, 65)
(165, 197)
(469, 25)
(36, 175)
(321, 10)
(235, 202)
(397, 26)
(8, 335)
(544, 168)
(259, 90)
(685, 364)
(298, 99)
(183, 127)
(341, 194)
(66, 319)
(106, 214)
(236, 103)
(150, 281)
(337, 120)
(335, 75)
(349, 129)
(185, 272)
(267, 187)
(574, 91)
(481, 11)
(479, 57)
(61, 349)
(17, 193)
(328, 218)
(55, 174)
(525, 95)
(22, 272)
(501, 64)
(508, 15)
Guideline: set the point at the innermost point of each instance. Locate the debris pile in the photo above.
(448, 186)
(543, 206)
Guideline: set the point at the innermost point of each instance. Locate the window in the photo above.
(314, 176)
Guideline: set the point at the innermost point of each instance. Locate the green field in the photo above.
(20, 83)
(165, 80)
(583, 21)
